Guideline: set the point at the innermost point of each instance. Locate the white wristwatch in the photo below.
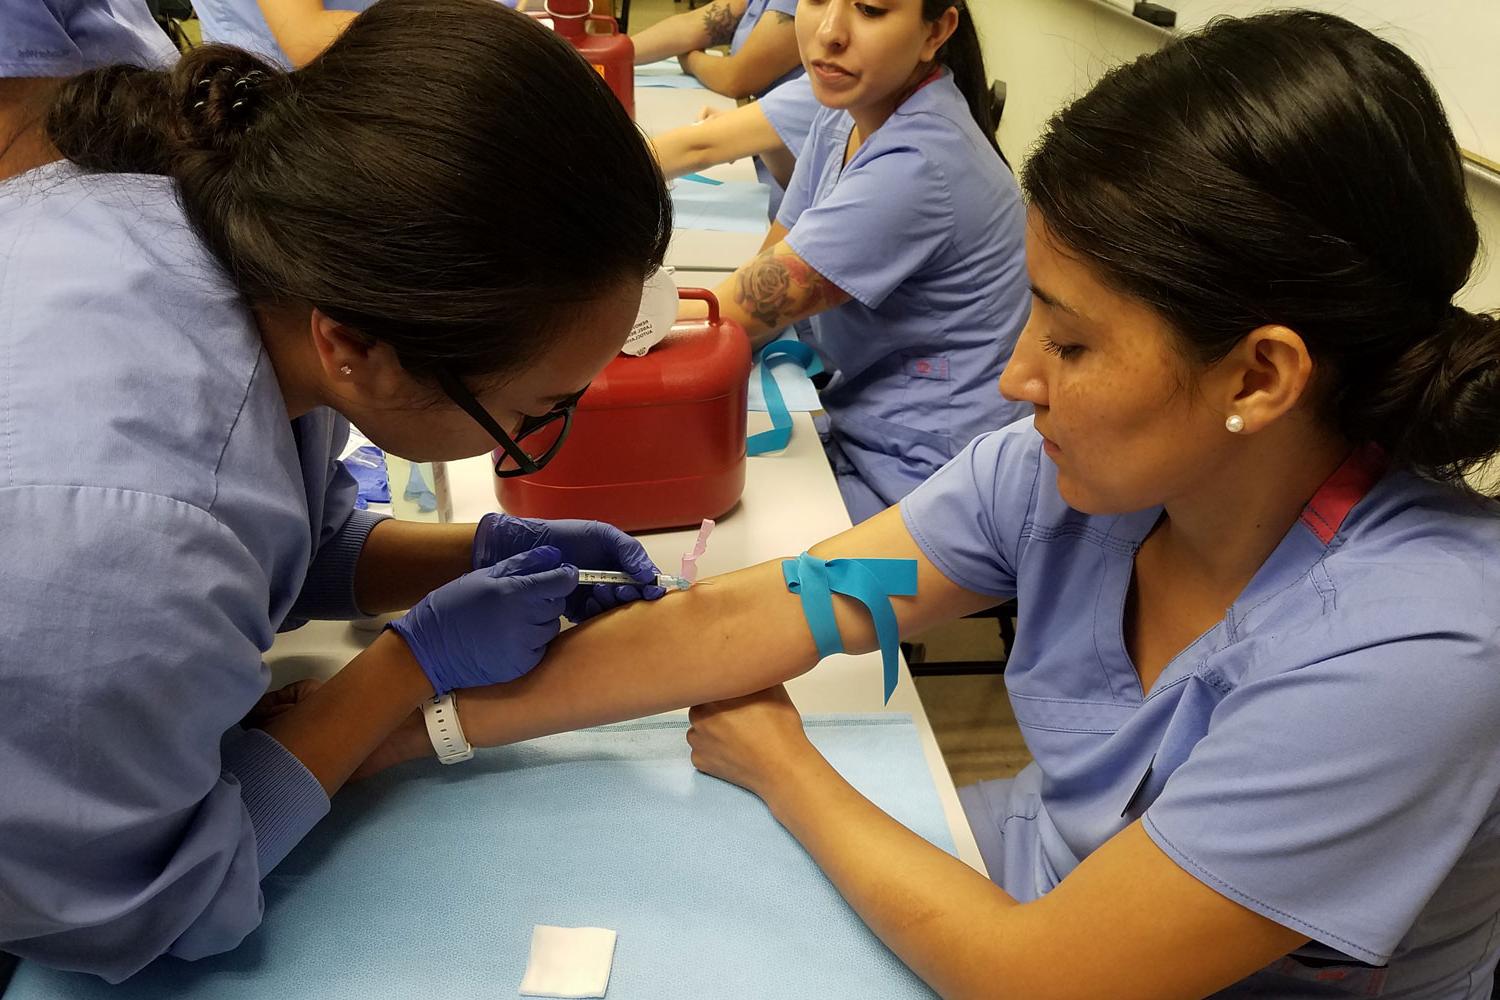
(441, 715)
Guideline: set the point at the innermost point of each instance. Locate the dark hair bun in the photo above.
(117, 119)
(125, 119)
(1439, 404)
(223, 93)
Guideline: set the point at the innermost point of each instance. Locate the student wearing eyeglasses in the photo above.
(198, 298)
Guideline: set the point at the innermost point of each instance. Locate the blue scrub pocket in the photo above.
(935, 368)
(1338, 976)
(891, 458)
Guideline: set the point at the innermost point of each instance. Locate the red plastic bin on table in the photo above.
(610, 51)
(657, 441)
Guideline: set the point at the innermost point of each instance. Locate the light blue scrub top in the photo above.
(1328, 755)
(163, 518)
(925, 229)
(790, 107)
(240, 23)
(55, 38)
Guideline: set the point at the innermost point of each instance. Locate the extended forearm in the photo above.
(726, 637)
(682, 151)
(729, 636)
(724, 137)
(922, 902)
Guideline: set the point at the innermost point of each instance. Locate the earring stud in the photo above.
(1235, 423)
(346, 370)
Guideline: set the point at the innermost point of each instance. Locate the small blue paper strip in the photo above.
(780, 433)
(701, 179)
(871, 582)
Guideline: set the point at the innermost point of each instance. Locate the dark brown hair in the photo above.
(964, 57)
(448, 177)
(1294, 169)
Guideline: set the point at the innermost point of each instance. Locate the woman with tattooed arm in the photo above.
(901, 238)
(762, 45)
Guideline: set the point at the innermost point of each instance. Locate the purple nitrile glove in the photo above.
(584, 544)
(492, 625)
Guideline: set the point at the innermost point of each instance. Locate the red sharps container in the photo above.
(598, 36)
(657, 441)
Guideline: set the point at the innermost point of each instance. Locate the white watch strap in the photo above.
(447, 736)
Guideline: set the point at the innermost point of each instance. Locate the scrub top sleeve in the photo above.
(131, 829)
(969, 518)
(781, 6)
(791, 108)
(898, 201)
(1334, 798)
(328, 592)
(45, 38)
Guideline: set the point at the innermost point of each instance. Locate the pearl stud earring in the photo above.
(1235, 423)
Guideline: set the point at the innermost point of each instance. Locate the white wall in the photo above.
(1050, 51)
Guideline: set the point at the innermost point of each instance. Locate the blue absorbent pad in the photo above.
(726, 207)
(425, 881)
(666, 73)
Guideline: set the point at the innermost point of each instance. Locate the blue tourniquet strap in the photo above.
(780, 433)
(872, 582)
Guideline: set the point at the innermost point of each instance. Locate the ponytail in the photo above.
(1437, 408)
(964, 58)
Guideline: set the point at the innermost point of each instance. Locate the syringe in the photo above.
(666, 581)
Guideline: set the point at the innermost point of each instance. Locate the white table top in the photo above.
(659, 109)
(790, 503)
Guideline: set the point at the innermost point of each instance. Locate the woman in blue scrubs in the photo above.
(762, 45)
(210, 272)
(1258, 660)
(901, 239)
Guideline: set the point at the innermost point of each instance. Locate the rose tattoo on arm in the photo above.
(720, 23)
(777, 287)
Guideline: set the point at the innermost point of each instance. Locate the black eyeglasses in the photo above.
(544, 434)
